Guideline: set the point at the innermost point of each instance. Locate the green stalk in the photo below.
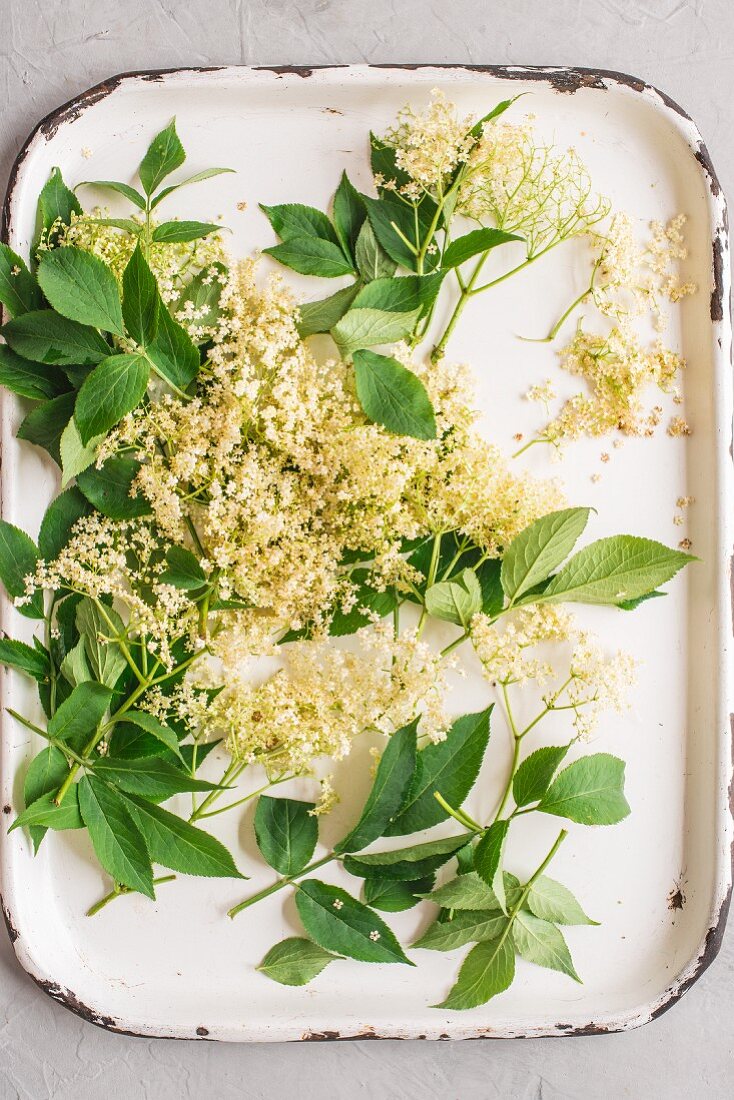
(119, 890)
(280, 884)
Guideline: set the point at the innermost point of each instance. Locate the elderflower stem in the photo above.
(119, 891)
(280, 884)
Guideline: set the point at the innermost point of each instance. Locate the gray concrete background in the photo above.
(51, 50)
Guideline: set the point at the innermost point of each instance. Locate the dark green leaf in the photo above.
(46, 337)
(202, 751)
(116, 838)
(81, 713)
(347, 927)
(19, 292)
(18, 560)
(534, 775)
(140, 299)
(449, 767)
(108, 488)
(632, 605)
(312, 256)
(614, 569)
(154, 728)
(589, 791)
(540, 548)
(113, 389)
(322, 316)
(56, 204)
(149, 777)
(372, 261)
(478, 127)
(24, 658)
(389, 789)
(405, 295)
(44, 425)
(551, 901)
(382, 160)
(295, 961)
(75, 667)
(165, 154)
(488, 969)
(405, 864)
(123, 189)
(391, 896)
(349, 214)
(391, 395)
(393, 219)
(81, 287)
(56, 527)
(488, 856)
(36, 381)
(44, 813)
(46, 773)
(177, 844)
(202, 294)
(466, 926)
(173, 352)
(475, 243)
(183, 569)
(177, 232)
(198, 177)
(542, 943)
(286, 831)
(293, 221)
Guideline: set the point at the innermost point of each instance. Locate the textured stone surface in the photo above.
(52, 49)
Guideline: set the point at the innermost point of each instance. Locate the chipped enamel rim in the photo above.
(564, 81)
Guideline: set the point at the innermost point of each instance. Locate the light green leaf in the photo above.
(347, 927)
(116, 838)
(540, 548)
(589, 791)
(286, 831)
(140, 299)
(19, 292)
(614, 569)
(295, 961)
(466, 926)
(165, 154)
(322, 316)
(74, 666)
(198, 177)
(534, 775)
(177, 232)
(75, 457)
(457, 600)
(449, 767)
(46, 773)
(80, 714)
(365, 328)
(467, 891)
(552, 901)
(81, 287)
(404, 295)
(18, 560)
(488, 856)
(177, 844)
(113, 389)
(46, 337)
(99, 632)
(488, 969)
(542, 943)
(391, 395)
(203, 294)
(44, 813)
(372, 261)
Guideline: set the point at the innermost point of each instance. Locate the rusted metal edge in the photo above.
(563, 80)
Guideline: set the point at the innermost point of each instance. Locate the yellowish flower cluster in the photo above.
(429, 145)
(506, 649)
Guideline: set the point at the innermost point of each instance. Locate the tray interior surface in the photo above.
(178, 964)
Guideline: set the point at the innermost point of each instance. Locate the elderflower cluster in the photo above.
(506, 650)
(429, 146)
(326, 695)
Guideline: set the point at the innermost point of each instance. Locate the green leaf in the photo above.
(123, 189)
(113, 389)
(614, 569)
(177, 232)
(117, 841)
(365, 328)
(108, 488)
(173, 353)
(140, 299)
(56, 204)
(390, 786)
(46, 337)
(372, 261)
(295, 961)
(368, 600)
(36, 381)
(488, 856)
(391, 395)
(154, 728)
(382, 160)
(44, 426)
(589, 791)
(347, 927)
(75, 456)
(534, 775)
(24, 658)
(394, 222)
(404, 295)
(18, 560)
(57, 524)
(540, 548)
(75, 667)
(391, 896)
(552, 901)
(487, 970)
(202, 751)
(478, 127)
(466, 926)
(322, 316)
(203, 294)
(475, 243)
(80, 714)
(405, 864)
(286, 831)
(81, 287)
(19, 292)
(312, 256)
(456, 601)
(632, 605)
(105, 657)
(44, 813)
(467, 891)
(293, 221)
(177, 844)
(542, 943)
(128, 225)
(450, 767)
(198, 177)
(183, 569)
(46, 773)
(349, 214)
(149, 777)
(165, 154)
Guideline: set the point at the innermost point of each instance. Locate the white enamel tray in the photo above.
(659, 882)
